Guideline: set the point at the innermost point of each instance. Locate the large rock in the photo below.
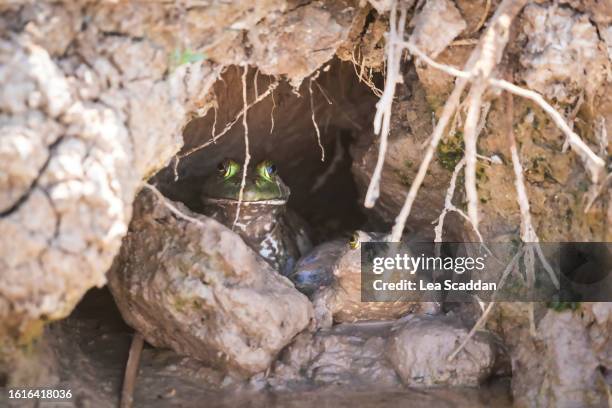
(412, 351)
(567, 363)
(348, 354)
(299, 41)
(79, 129)
(420, 347)
(196, 287)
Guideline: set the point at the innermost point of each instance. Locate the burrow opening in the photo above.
(281, 129)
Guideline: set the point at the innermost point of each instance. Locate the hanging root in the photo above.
(478, 70)
(272, 112)
(331, 169)
(528, 233)
(314, 122)
(485, 315)
(247, 154)
(450, 207)
(507, 10)
(228, 126)
(382, 119)
(593, 163)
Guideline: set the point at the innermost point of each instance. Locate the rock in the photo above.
(341, 301)
(298, 42)
(347, 354)
(565, 365)
(420, 346)
(436, 26)
(599, 321)
(78, 132)
(315, 270)
(196, 287)
(563, 55)
(599, 11)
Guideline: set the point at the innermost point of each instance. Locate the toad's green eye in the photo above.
(266, 169)
(228, 168)
(354, 241)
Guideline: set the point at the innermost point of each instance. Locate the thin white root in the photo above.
(247, 154)
(414, 50)
(331, 169)
(470, 138)
(447, 112)
(528, 233)
(228, 126)
(214, 125)
(324, 93)
(593, 163)
(595, 190)
(448, 201)
(314, 122)
(255, 82)
(506, 12)
(450, 207)
(272, 112)
(175, 168)
(482, 320)
(382, 119)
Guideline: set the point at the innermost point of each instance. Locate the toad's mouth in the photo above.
(232, 201)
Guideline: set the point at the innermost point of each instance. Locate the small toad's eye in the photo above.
(266, 169)
(354, 241)
(228, 168)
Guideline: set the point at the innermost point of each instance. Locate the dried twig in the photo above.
(247, 154)
(483, 18)
(131, 371)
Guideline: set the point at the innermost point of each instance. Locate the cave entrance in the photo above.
(281, 129)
